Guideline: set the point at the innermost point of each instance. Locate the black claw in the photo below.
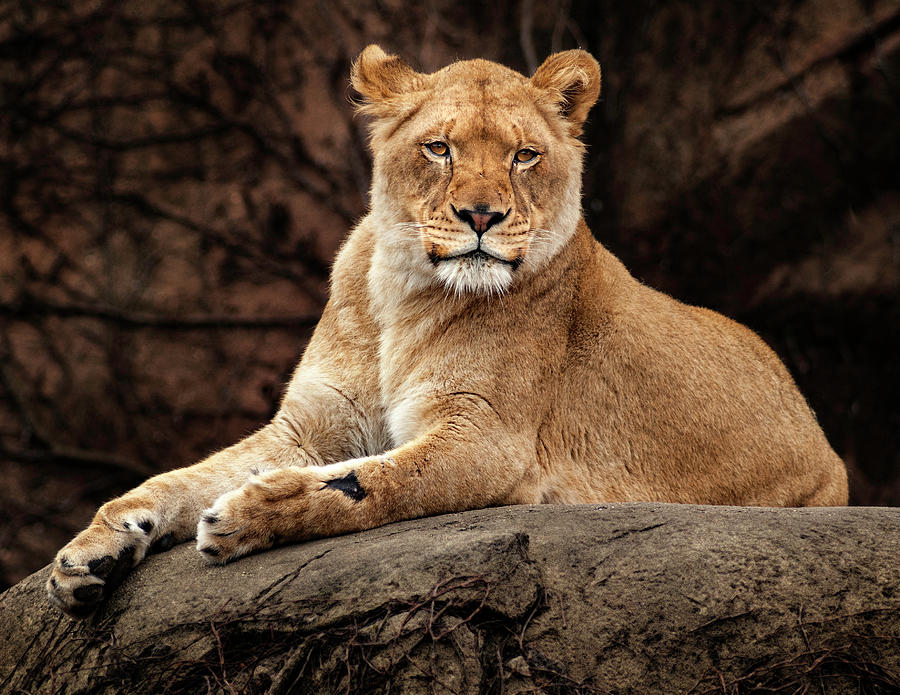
(212, 552)
(349, 485)
(210, 518)
(53, 583)
(102, 566)
(163, 543)
(66, 562)
(89, 594)
(146, 525)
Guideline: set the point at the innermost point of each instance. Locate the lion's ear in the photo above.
(572, 79)
(379, 76)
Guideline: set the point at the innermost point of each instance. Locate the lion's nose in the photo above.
(481, 218)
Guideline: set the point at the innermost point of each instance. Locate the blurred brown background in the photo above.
(175, 178)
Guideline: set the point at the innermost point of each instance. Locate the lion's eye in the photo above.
(437, 148)
(526, 155)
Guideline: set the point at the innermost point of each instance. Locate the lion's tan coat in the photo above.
(536, 370)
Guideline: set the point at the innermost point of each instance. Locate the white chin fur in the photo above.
(475, 276)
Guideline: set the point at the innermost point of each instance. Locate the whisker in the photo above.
(408, 228)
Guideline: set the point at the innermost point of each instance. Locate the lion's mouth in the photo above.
(478, 256)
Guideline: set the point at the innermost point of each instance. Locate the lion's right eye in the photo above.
(437, 148)
(526, 155)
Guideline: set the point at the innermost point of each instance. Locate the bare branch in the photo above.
(30, 308)
(78, 457)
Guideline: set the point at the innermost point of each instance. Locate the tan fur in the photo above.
(535, 371)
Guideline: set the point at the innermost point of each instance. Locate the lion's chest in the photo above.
(407, 370)
(420, 365)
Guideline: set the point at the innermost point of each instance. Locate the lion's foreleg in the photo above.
(165, 509)
(155, 515)
(450, 469)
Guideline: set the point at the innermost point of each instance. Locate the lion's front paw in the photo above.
(98, 559)
(272, 507)
(234, 526)
(290, 504)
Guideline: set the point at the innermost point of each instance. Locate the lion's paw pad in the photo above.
(79, 587)
(97, 560)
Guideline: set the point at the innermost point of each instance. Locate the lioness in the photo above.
(479, 348)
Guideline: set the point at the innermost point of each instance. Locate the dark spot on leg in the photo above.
(102, 566)
(53, 583)
(254, 471)
(210, 518)
(125, 524)
(146, 525)
(89, 594)
(349, 485)
(66, 562)
(163, 543)
(212, 552)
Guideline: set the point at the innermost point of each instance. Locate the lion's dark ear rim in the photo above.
(378, 76)
(572, 79)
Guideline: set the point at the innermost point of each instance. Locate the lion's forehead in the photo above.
(481, 102)
(506, 119)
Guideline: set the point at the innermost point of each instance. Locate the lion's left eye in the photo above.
(526, 155)
(438, 148)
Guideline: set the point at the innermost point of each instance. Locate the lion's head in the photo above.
(477, 175)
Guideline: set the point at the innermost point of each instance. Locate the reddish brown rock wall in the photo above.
(175, 179)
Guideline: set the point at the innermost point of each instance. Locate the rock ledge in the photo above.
(624, 598)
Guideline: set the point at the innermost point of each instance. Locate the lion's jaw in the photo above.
(455, 205)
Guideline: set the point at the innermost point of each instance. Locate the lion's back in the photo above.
(679, 403)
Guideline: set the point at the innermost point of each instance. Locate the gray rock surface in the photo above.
(625, 598)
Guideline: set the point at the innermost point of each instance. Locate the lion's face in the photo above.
(477, 169)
